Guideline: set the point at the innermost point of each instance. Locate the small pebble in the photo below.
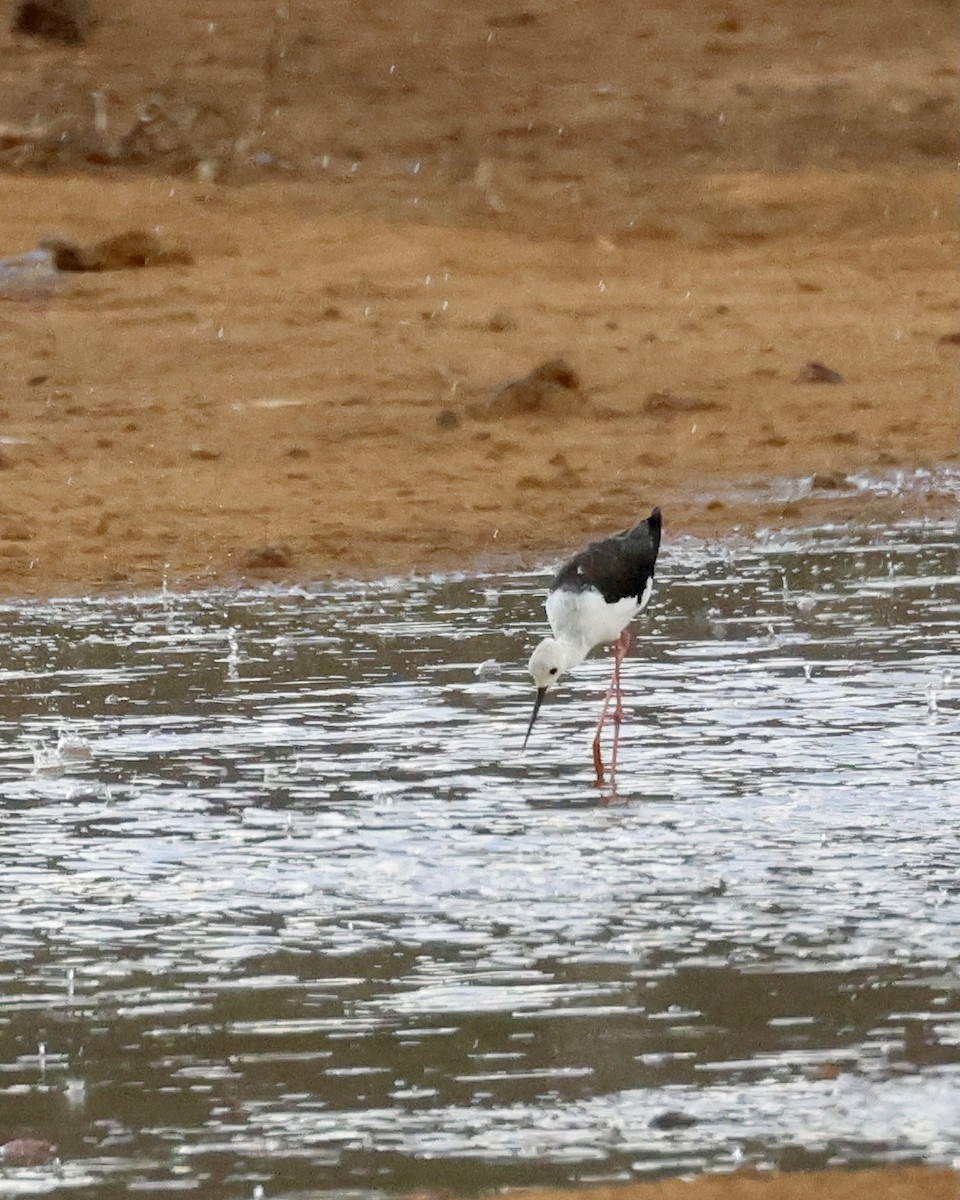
(27, 1152)
(501, 321)
(829, 480)
(269, 557)
(672, 1119)
(818, 372)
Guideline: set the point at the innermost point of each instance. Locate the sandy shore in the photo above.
(393, 212)
(895, 1183)
(312, 396)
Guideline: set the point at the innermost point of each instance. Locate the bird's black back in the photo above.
(619, 566)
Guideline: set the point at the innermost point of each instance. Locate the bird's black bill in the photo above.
(541, 692)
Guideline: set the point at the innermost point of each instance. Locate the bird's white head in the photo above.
(548, 662)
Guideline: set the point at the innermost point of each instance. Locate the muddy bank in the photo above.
(322, 384)
(372, 219)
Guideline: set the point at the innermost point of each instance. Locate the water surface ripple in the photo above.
(282, 903)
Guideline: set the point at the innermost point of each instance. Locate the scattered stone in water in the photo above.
(203, 454)
(818, 372)
(73, 749)
(922, 1045)
(27, 1152)
(825, 1071)
(447, 419)
(671, 1119)
(298, 452)
(830, 480)
(950, 339)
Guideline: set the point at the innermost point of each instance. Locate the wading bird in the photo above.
(591, 602)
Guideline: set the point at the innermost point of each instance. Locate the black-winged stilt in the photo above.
(592, 600)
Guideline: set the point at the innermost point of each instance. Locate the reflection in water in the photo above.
(282, 904)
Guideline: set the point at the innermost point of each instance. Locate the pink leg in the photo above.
(620, 648)
(597, 759)
(620, 653)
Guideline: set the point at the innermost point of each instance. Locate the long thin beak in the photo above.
(541, 692)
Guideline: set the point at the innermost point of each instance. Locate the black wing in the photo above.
(617, 567)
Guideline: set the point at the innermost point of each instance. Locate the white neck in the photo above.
(570, 653)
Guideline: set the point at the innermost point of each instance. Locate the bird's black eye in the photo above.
(553, 670)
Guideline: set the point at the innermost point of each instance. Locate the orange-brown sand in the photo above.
(693, 202)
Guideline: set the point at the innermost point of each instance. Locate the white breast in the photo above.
(586, 619)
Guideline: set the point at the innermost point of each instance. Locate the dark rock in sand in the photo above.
(500, 322)
(668, 404)
(447, 418)
(553, 389)
(268, 558)
(68, 21)
(818, 372)
(125, 251)
(829, 480)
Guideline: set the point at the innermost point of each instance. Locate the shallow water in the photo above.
(283, 905)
